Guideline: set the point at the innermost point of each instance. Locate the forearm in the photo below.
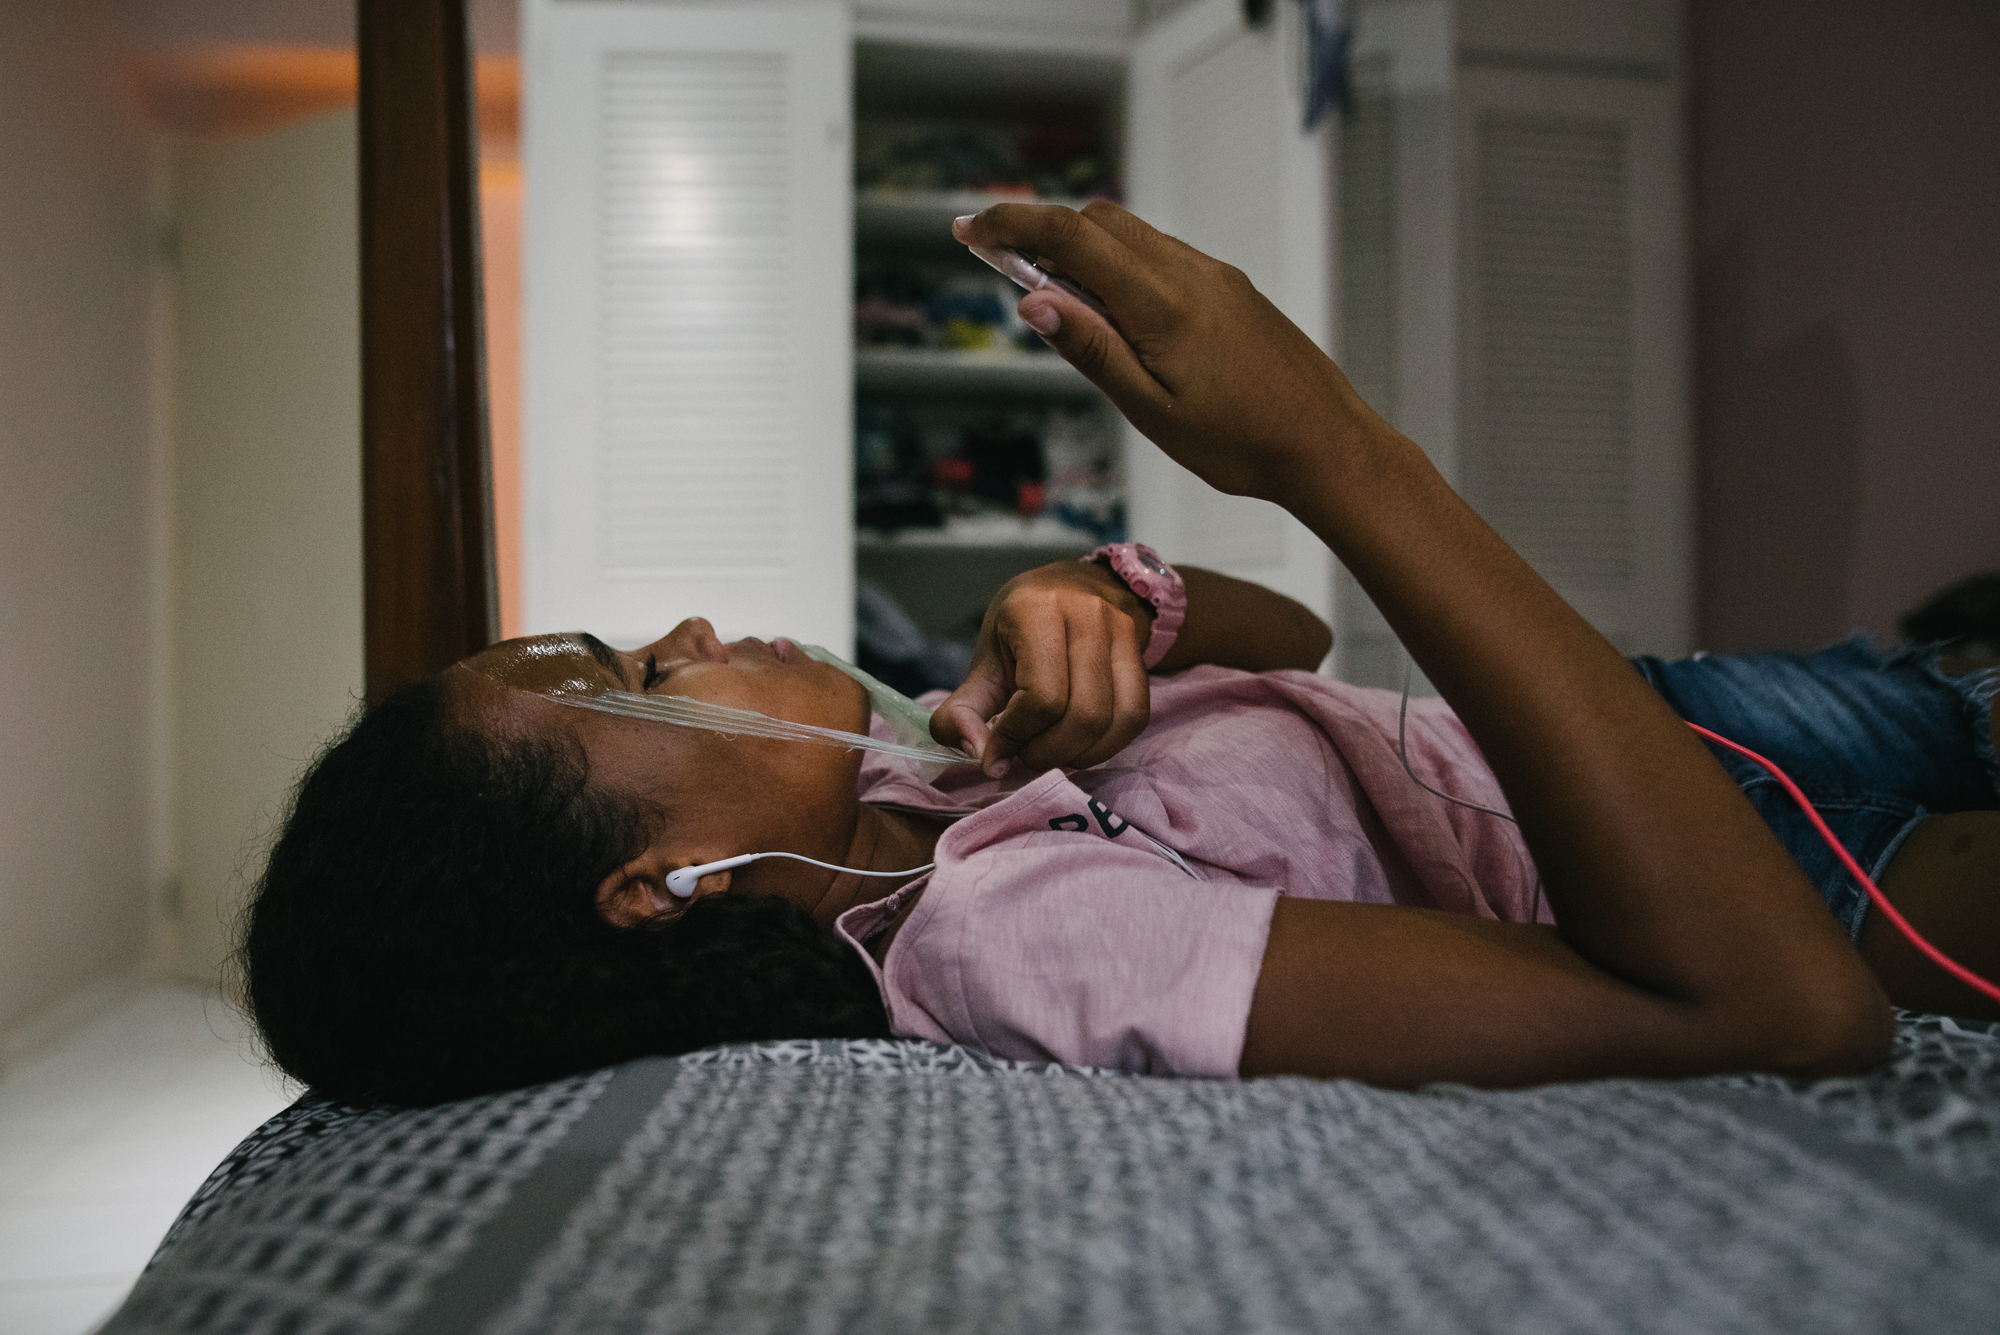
(1658, 870)
(1234, 623)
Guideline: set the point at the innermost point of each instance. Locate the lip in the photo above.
(779, 650)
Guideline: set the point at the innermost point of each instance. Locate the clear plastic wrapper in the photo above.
(907, 719)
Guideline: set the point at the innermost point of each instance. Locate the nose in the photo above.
(692, 639)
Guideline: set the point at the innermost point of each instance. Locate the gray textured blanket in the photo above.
(889, 1187)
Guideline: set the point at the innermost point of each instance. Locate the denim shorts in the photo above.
(1877, 741)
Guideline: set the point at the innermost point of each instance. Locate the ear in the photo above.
(637, 891)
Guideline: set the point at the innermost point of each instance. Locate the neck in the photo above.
(883, 841)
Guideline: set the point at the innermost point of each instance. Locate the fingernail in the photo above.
(1043, 318)
(998, 769)
(960, 223)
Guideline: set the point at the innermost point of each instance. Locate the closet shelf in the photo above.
(1021, 535)
(944, 371)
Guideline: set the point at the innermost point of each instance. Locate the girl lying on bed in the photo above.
(1220, 869)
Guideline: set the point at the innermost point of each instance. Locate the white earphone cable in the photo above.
(681, 882)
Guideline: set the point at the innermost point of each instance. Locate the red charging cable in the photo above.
(1931, 952)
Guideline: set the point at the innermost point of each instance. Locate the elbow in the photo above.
(1860, 1041)
(1828, 1036)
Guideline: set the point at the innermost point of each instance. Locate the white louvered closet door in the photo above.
(1573, 407)
(686, 344)
(1399, 306)
(1217, 158)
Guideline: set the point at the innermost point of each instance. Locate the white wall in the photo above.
(267, 497)
(73, 516)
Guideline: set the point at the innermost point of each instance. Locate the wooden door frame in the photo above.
(429, 588)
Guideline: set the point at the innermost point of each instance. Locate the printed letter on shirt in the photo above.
(1109, 823)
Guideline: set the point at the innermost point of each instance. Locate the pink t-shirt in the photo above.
(1058, 926)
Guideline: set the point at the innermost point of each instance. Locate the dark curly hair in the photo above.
(426, 927)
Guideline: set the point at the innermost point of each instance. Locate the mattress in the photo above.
(889, 1186)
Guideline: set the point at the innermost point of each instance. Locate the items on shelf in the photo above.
(893, 648)
(899, 304)
(1024, 160)
(994, 476)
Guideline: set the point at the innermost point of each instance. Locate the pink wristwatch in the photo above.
(1154, 581)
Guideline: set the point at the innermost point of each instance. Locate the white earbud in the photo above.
(680, 882)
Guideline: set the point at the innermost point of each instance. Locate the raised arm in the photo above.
(1688, 942)
(1057, 677)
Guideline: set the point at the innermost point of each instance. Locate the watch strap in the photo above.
(1154, 582)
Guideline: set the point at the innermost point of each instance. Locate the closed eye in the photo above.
(653, 675)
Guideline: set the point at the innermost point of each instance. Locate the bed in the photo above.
(897, 1186)
(893, 1186)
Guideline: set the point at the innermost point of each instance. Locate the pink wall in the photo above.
(1846, 160)
(73, 588)
(500, 250)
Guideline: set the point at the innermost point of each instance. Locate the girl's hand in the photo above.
(1199, 360)
(1058, 676)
